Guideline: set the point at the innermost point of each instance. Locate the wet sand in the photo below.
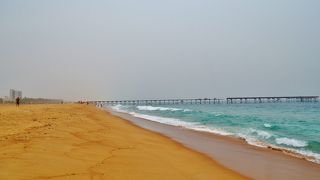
(83, 142)
(236, 154)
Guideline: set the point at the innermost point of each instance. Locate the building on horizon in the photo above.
(14, 94)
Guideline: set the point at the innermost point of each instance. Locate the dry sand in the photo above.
(83, 142)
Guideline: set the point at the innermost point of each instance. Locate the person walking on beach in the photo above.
(17, 101)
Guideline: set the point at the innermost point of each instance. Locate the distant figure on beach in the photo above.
(17, 101)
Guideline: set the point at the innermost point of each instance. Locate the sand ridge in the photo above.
(83, 142)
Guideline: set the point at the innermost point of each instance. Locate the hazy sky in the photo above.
(132, 49)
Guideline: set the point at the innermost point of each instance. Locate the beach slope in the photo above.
(83, 142)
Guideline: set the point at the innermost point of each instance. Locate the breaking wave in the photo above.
(153, 108)
(178, 122)
(291, 142)
(267, 125)
(260, 133)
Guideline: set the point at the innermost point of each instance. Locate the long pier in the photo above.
(272, 99)
(161, 101)
(229, 100)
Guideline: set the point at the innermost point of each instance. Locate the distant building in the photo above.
(14, 94)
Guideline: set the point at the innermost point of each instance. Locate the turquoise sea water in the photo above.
(291, 126)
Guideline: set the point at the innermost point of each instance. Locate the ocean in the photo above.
(292, 126)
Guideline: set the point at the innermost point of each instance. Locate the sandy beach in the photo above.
(83, 142)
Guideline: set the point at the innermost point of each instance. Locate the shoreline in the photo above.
(302, 154)
(267, 162)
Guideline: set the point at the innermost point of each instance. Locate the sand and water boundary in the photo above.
(236, 154)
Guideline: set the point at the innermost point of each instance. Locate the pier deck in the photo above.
(272, 99)
(229, 100)
(162, 101)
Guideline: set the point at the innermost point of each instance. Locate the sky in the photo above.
(146, 49)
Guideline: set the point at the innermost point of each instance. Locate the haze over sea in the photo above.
(291, 126)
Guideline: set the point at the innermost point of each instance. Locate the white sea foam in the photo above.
(217, 114)
(264, 134)
(311, 156)
(267, 125)
(260, 133)
(212, 130)
(251, 140)
(164, 120)
(315, 156)
(291, 142)
(153, 108)
(119, 108)
(255, 142)
(178, 122)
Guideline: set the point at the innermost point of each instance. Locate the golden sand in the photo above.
(83, 142)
